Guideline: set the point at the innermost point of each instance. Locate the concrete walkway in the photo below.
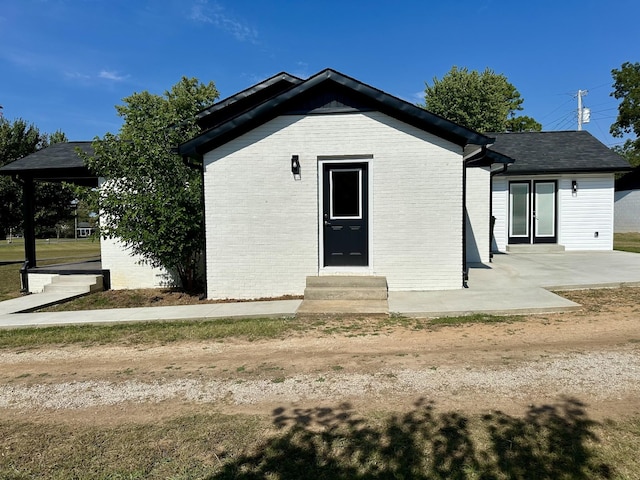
(512, 283)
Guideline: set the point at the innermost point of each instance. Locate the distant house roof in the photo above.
(326, 92)
(629, 181)
(557, 152)
(57, 162)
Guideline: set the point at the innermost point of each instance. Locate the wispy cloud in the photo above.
(112, 75)
(204, 12)
(301, 70)
(77, 76)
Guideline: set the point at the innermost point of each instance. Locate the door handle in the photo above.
(327, 223)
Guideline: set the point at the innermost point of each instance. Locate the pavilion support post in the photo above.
(28, 201)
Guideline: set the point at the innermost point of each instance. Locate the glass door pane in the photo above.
(545, 207)
(345, 196)
(519, 209)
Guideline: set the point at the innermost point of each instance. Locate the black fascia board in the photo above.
(555, 171)
(384, 102)
(248, 98)
(412, 114)
(77, 176)
(488, 158)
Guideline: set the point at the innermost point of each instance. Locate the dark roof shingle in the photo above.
(557, 152)
(57, 162)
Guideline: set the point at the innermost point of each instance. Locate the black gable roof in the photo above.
(326, 92)
(557, 152)
(57, 162)
(244, 100)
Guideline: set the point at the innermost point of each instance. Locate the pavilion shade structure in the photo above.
(59, 162)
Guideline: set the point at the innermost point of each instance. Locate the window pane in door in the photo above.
(345, 194)
(519, 209)
(545, 209)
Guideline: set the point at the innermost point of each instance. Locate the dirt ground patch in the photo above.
(150, 297)
(592, 355)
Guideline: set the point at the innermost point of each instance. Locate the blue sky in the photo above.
(65, 64)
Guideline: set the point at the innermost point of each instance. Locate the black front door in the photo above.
(345, 213)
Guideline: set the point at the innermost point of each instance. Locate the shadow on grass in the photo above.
(548, 442)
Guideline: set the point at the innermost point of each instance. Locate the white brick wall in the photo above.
(477, 247)
(580, 216)
(263, 226)
(126, 270)
(627, 211)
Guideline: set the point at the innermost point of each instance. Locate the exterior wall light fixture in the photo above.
(295, 166)
(574, 187)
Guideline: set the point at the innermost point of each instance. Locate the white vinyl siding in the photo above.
(263, 226)
(585, 219)
(586, 213)
(500, 210)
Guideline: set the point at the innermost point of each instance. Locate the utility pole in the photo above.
(584, 114)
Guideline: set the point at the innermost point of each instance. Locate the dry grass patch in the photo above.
(602, 300)
(545, 442)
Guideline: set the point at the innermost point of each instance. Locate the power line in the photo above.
(563, 119)
(556, 109)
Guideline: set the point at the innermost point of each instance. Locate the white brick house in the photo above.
(330, 176)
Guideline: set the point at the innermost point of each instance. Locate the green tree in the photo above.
(626, 88)
(152, 201)
(19, 139)
(485, 102)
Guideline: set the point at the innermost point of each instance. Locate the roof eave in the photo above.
(390, 105)
(550, 171)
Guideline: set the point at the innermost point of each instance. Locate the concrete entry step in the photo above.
(346, 288)
(345, 294)
(77, 284)
(536, 248)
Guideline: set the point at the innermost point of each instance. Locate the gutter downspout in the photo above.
(465, 272)
(200, 167)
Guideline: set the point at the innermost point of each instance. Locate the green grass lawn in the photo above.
(47, 253)
(628, 242)
(52, 250)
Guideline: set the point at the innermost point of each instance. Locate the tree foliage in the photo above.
(626, 88)
(52, 201)
(485, 102)
(152, 201)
